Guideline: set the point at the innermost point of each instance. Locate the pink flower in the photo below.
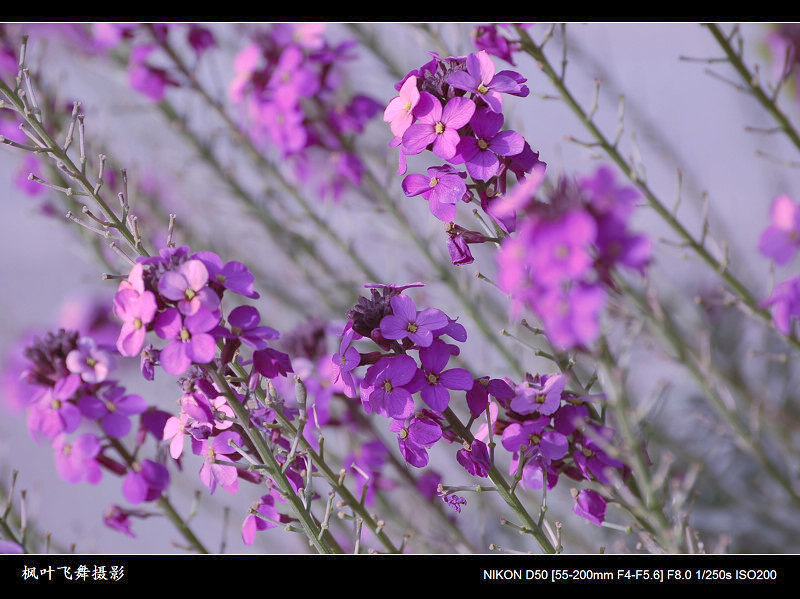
(438, 126)
(399, 112)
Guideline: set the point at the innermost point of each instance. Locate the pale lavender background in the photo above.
(698, 116)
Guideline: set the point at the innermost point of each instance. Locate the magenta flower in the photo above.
(438, 126)
(785, 305)
(75, 460)
(522, 436)
(146, 482)
(437, 382)
(187, 286)
(232, 275)
(475, 458)
(406, 322)
(54, 413)
(245, 324)
(263, 515)
(271, 363)
(89, 361)
(488, 38)
(458, 242)
(480, 79)
(592, 460)
(190, 340)
(212, 473)
(443, 187)
(591, 505)
(383, 388)
(136, 307)
(781, 240)
(113, 408)
(480, 153)
(559, 250)
(571, 318)
(478, 396)
(345, 361)
(415, 438)
(399, 112)
(542, 399)
(148, 80)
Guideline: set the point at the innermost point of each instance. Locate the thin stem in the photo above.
(736, 286)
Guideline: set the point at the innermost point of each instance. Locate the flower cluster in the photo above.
(84, 414)
(289, 82)
(415, 351)
(550, 432)
(561, 259)
(454, 108)
(780, 242)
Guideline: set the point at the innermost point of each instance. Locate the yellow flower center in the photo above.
(412, 327)
(434, 182)
(482, 144)
(482, 89)
(185, 335)
(387, 386)
(439, 128)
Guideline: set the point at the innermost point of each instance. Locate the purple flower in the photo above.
(590, 505)
(89, 361)
(146, 482)
(781, 240)
(383, 391)
(75, 460)
(458, 241)
(488, 38)
(136, 307)
(543, 399)
(406, 322)
(245, 324)
(212, 473)
(118, 518)
(478, 395)
(9, 547)
(271, 363)
(346, 360)
(572, 318)
(785, 304)
(415, 438)
(438, 126)
(150, 81)
(263, 515)
(455, 502)
(475, 458)
(112, 407)
(444, 187)
(521, 436)
(436, 382)
(593, 462)
(54, 412)
(559, 250)
(187, 286)
(190, 340)
(480, 153)
(480, 79)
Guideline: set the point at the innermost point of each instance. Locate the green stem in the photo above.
(163, 502)
(530, 524)
(320, 538)
(753, 85)
(737, 287)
